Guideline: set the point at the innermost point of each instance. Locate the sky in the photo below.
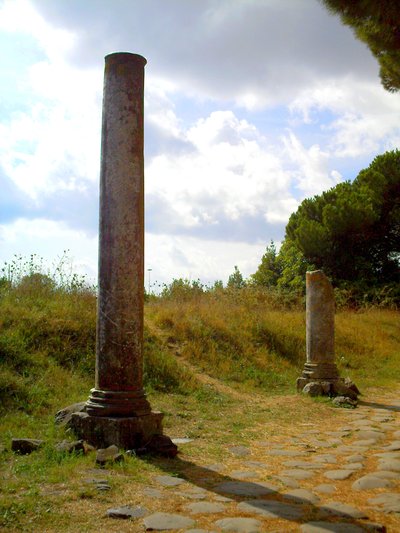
(251, 106)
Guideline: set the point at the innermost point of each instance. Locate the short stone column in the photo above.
(117, 411)
(320, 374)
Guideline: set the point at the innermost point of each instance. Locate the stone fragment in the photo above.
(169, 481)
(63, 416)
(70, 447)
(205, 508)
(313, 389)
(108, 455)
(239, 525)
(166, 521)
(301, 496)
(344, 401)
(338, 474)
(272, 509)
(370, 482)
(342, 509)
(182, 440)
(245, 488)
(329, 527)
(25, 446)
(126, 511)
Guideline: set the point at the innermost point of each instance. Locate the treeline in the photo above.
(351, 231)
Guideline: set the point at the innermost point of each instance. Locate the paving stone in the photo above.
(329, 527)
(244, 474)
(356, 458)
(239, 451)
(342, 509)
(298, 474)
(304, 464)
(286, 453)
(338, 474)
(217, 467)
(165, 521)
(353, 466)
(256, 464)
(153, 493)
(367, 443)
(325, 488)
(239, 525)
(272, 509)
(396, 434)
(245, 488)
(205, 508)
(325, 443)
(288, 482)
(126, 511)
(325, 458)
(369, 435)
(389, 464)
(223, 499)
(197, 531)
(338, 434)
(388, 455)
(388, 502)
(301, 496)
(386, 474)
(395, 445)
(169, 481)
(370, 482)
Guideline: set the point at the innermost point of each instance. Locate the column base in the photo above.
(326, 386)
(140, 433)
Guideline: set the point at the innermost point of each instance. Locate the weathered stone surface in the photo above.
(304, 464)
(153, 493)
(338, 474)
(301, 496)
(109, 455)
(394, 446)
(181, 440)
(205, 508)
(244, 474)
(369, 435)
(389, 464)
(126, 433)
(70, 447)
(286, 453)
(388, 502)
(344, 401)
(26, 446)
(126, 511)
(63, 416)
(239, 525)
(313, 389)
(169, 481)
(353, 466)
(325, 488)
(272, 509)
(166, 521)
(329, 527)
(356, 458)
(297, 474)
(370, 482)
(386, 474)
(245, 488)
(342, 509)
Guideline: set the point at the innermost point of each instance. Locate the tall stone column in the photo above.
(117, 411)
(320, 375)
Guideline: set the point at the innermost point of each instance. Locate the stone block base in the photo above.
(327, 387)
(131, 433)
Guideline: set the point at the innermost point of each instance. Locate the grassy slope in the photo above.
(204, 357)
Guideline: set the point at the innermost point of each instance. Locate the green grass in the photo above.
(205, 355)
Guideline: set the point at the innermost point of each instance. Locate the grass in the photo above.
(219, 364)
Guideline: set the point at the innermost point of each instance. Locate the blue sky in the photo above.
(250, 107)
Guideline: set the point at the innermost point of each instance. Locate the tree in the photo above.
(270, 268)
(235, 280)
(352, 231)
(377, 23)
